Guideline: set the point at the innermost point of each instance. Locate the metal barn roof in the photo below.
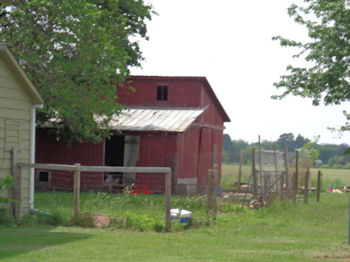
(155, 119)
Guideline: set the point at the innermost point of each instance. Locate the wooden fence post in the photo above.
(14, 174)
(282, 186)
(276, 169)
(296, 174)
(255, 180)
(19, 193)
(240, 171)
(349, 225)
(167, 201)
(76, 190)
(319, 183)
(287, 169)
(306, 188)
(215, 190)
(209, 193)
(261, 173)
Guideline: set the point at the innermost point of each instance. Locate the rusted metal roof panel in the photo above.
(155, 119)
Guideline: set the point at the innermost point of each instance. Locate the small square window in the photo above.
(162, 93)
(43, 176)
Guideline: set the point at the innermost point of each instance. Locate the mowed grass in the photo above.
(278, 232)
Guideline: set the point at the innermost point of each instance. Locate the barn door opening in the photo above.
(121, 151)
(114, 156)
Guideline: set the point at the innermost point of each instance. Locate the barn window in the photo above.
(43, 179)
(43, 176)
(162, 93)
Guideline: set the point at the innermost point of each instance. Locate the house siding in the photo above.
(15, 117)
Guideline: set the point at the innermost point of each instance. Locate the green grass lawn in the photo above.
(278, 232)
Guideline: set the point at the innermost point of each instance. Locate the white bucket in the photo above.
(183, 215)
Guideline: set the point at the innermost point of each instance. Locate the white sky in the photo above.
(229, 42)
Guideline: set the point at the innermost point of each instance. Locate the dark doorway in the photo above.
(114, 156)
(114, 151)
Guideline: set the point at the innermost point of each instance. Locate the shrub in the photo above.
(6, 218)
(52, 219)
(83, 220)
(27, 220)
(138, 222)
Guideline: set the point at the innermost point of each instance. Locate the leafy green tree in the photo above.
(310, 149)
(73, 52)
(248, 153)
(300, 141)
(270, 145)
(232, 148)
(238, 145)
(326, 76)
(226, 157)
(337, 161)
(288, 139)
(327, 152)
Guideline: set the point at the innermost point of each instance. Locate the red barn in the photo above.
(170, 121)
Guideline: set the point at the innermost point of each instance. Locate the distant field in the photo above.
(337, 177)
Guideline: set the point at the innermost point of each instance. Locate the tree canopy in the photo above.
(73, 52)
(291, 142)
(327, 76)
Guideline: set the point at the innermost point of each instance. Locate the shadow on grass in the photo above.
(18, 241)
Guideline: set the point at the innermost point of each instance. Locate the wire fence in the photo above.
(278, 173)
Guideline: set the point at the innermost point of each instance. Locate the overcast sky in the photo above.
(229, 42)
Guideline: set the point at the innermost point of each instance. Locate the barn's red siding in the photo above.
(189, 154)
(49, 150)
(155, 150)
(182, 93)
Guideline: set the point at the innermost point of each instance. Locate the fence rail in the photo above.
(97, 168)
(77, 168)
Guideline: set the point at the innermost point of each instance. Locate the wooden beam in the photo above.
(215, 190)
(255, 180)
(240, 170)
(209, 193)
(287, 169)
(76, 191)
(126, 169)
(319, 184)
(296, 174)
(306, 188)
(167, 201)
(14, 174)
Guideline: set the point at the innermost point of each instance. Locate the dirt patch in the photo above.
(341, 253)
